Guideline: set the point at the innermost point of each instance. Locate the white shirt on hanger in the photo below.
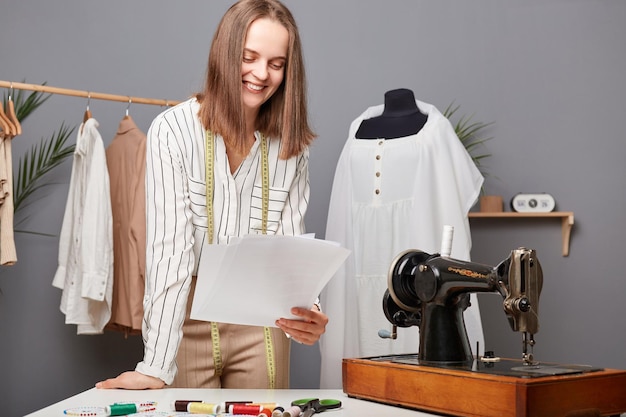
(85, 271)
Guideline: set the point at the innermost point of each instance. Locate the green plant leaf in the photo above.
(40, 159)
(37, 162)
(470, 133)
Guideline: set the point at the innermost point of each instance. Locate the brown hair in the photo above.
(284, 115)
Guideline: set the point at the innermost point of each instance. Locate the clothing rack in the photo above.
(87, 94)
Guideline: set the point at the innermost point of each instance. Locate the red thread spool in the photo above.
(265, 412)
(251, 410)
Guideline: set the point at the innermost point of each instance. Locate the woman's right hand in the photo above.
(131, 380)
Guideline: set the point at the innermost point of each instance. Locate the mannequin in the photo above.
(389, 196)
(400, 118)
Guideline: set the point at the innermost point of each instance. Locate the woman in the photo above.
(249, 128)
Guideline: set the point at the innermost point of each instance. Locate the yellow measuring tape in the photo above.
(209, 175)
(265, 202)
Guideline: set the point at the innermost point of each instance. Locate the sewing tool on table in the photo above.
(310, 406)
(229, 408)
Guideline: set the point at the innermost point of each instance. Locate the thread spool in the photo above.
(265, 412)
(251, 410)
(123, 409)
(278, 411)
(181, 405)
(203, 408)
(293, 411)
(446, 240)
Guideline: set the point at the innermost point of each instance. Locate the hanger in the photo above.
(87, 114)
(127, 116)
(6, 123)
(11, 113)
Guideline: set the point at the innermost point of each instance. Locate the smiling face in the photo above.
(263, 64)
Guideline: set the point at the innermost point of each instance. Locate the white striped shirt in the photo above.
(176, 216)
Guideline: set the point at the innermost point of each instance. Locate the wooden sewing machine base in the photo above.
(600, 392)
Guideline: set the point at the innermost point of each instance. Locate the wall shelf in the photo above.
(567, 221)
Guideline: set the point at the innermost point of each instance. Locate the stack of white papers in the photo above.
(257, 279)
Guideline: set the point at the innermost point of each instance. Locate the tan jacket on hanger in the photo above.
(126, 161)
(8, 252)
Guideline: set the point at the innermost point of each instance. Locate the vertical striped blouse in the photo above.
(176, 217)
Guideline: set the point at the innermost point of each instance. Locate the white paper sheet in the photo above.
(257, 279)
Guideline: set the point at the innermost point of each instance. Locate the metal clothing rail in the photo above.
(87, 94)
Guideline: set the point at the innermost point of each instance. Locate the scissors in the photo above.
(310, 406)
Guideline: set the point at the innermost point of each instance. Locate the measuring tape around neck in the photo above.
(210, 189)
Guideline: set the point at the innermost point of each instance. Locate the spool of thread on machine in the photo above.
(446, 240)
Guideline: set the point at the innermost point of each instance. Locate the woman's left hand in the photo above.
(309, 329)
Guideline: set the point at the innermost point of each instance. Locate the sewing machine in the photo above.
(431, 291)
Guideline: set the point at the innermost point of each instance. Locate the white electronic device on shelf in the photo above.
(533, 203)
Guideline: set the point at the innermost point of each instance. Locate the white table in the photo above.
(351, 407)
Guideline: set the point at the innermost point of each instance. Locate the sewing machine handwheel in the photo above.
(401, 279)
(398, 316)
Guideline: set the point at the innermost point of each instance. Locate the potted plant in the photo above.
(470, 133)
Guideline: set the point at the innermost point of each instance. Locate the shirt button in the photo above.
(377, 191)
(377, 157)
(380, 142)
(378, 174)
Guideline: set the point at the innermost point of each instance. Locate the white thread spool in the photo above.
(446, 240)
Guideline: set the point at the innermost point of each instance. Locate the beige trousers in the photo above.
(243, 352)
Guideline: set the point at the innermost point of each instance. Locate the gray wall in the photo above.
(549, 73)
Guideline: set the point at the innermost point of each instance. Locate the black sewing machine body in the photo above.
(432, 291)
